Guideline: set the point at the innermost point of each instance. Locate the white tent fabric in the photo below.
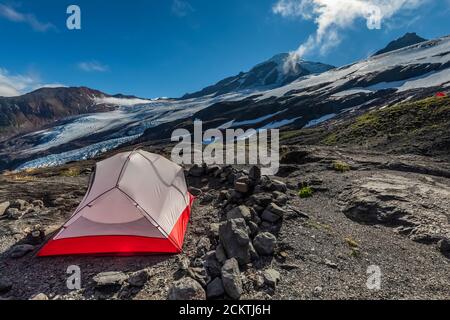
(131, 194)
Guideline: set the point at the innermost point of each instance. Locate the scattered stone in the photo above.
(14, 213)
(214, 230)
(330, 264)
(212, 264)
(231, 278)
(271, 277)
(215, 289)
(273, 213)
(197, 171)
(5, 285)
(255, 173)
(4, 206)
(19, 204)
(317, 291)
(58, 202)
(280, 198)
(38, 203)
(35, 237)
(109, 280)
(444, 246)
(234, 238)
(278, 186)
(21, 250)
(265, 243)
(40, 297)
(220, 254)
(198, 274)
(195, 191)
(224, 195)
(139, 278)
(241, 212)
(242, 185)
(262, 199)
(203, 246)
(207, 198)
(254, 229)
(183, 263)
(213, 170)
(186, 289)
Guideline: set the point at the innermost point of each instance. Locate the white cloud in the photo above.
(13, 15)
(332, 17)
(181, 8)
(93, 66)
(12, 85)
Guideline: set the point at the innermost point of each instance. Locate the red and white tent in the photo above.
(137, 203)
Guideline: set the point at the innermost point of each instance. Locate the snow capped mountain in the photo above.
(407, 40)
(269, 74)
(317, 95)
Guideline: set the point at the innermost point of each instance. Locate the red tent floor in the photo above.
(121, 245)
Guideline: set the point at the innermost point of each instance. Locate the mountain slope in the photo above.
(407, 40)
(408, 74)
(47, 105)
(270, 73)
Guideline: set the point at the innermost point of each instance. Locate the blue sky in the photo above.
(159, 48)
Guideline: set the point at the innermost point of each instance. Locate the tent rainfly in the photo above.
(136, 203)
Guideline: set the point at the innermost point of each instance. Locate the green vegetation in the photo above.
(71, 172)
(404, 120)
(305, 192)
(341, 166)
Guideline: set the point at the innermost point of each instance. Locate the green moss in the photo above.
(306, 192)
(341, 166)
(71, 172)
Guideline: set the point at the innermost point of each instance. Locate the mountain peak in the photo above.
(406, 40)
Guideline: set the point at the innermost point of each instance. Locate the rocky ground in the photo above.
(312, 232)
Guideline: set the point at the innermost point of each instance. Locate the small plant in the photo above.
(341, 166)
(71, 172)
(305, 192)
(351, 243)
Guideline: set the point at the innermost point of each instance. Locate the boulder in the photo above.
(197, 171)
(280, 198)
(21, 250)
(242, 185)
(241, 212)
(273, 213)
(271, 277)
(444, 246)
(212, 264)
(186, 289)
(4, 206)
(231, 278)
(215, 289)
(40, 297)
(277, 185)
(220, 254)
(255, 173)
(265, 243)
(207, 199)
(234, 238)
(109, 280)
(138, 279)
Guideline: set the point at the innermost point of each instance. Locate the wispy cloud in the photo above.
(181, 8)
(11, 14)
(16, 84)
(93, 66)
(333, 17)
